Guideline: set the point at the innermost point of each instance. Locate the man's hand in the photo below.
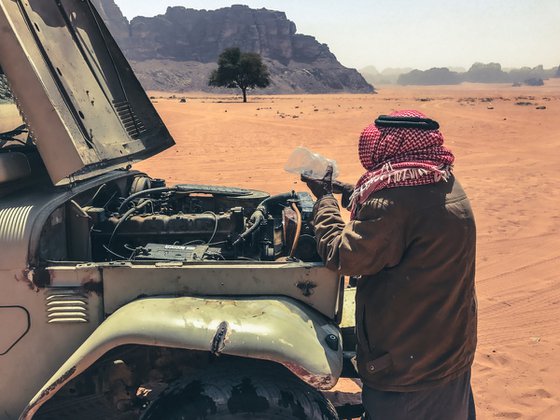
(340, 187)
(320, 187)
(345, 189)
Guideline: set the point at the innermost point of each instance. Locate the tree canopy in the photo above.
(241, 70)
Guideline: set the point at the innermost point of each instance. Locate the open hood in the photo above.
(85, 108)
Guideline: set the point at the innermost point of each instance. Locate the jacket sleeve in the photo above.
(346, 191)
(361, 247)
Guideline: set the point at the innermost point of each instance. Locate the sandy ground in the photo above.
(508, 160)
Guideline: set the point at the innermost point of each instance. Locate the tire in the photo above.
(241, 392)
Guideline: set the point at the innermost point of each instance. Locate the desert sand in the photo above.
(507, 158)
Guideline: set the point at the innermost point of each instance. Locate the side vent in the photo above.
(67, 306)
(132, 124)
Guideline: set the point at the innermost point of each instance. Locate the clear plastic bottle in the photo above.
(305, 162)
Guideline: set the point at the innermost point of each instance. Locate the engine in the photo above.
(154, 222)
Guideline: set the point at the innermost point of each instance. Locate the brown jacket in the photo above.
(414, 248)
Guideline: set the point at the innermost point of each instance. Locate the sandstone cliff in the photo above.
(434, 76)
(113, 17)
(388, 76)
(177, 50)
(478, 73)
(486, 73)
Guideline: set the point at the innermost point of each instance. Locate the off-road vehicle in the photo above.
(123, 297)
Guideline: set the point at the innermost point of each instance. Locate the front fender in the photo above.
(278, 329)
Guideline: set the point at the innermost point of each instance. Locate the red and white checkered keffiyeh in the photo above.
(400, 157)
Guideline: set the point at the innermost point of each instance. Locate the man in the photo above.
(411, 239)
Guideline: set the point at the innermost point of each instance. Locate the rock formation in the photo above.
(177, 50)
(525, 73)
(388, 76)
(486, 73)
(478, 73)
(113, 18)
(534, 81)
(434, 76)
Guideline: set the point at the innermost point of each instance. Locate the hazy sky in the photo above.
(411, 33)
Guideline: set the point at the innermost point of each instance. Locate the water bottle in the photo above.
(305, 162)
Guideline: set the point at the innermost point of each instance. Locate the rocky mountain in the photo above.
(177, 50)
(114, 19)
(434, 76)
(388, 76)
(534, 81)
(478, 73)
(486, 73)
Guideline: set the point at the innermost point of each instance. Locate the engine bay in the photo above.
(143, 220)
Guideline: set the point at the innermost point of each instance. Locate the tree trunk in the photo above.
(244, 90)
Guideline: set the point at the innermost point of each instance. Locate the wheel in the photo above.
(241, 392)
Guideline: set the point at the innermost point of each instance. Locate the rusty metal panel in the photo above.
(84, 107)
(310, 283)
(67, 306)
(280, 329)
(44, 347)
(14, 324)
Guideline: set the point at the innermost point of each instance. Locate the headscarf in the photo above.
(400, 157)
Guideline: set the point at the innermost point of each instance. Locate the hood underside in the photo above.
(85, 109)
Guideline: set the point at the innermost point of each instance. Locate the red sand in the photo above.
(508, 160)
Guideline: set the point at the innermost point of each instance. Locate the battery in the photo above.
(172, 252)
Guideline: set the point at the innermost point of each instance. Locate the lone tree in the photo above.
(240, 70)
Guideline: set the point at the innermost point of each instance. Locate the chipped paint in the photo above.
(194, 323)
(316, 381)
(40, 278)
(219, 341)
(27, 276)
(306, 287)
(93, 286)
(45, 394)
